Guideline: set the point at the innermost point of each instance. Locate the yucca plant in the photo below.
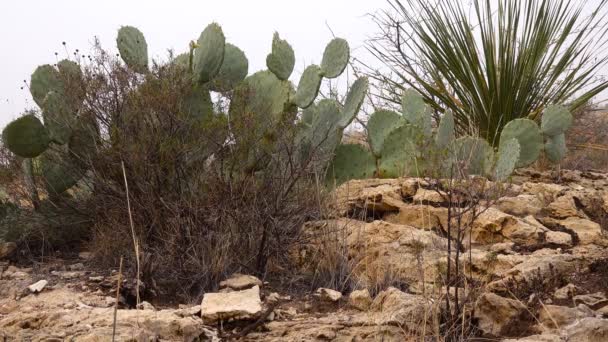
(493, 61)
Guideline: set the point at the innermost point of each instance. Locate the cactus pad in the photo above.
(555, 148)
(472, 155)
(282, 59)
(555, 120)
(26, 137)
(445, 131)
(309, 86)
(528, 135)
(350, 161)
(379, 126)
(400, 153)
(309, 114)
(209, 54)
(234, 69)
(182, 60)
(416, 111)
(335, 58)
(354, 100)
(133, 48)
(44, 79)
(57, 118)
(508, 155)
(198, 104)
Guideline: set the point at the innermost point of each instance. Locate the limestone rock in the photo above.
(38, 286)
(588, 231)
(374, 195)
(241, 282)
(588, 330)
(328, 295)
(556, 317)
(420, 216)
(499, 316)
(402, 309)
(565, 292)
(522, 205)
(424, 196)
(238, 304)
(494, 226)
(563, 207)
(594, 300)
(360, 299)
(558, 238)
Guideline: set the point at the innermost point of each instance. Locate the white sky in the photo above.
(31, 31)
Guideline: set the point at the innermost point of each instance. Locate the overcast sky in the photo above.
(31, 31)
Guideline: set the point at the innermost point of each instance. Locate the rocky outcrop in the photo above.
(245, 304)
(498, 316)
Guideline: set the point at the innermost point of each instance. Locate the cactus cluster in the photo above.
(402, 144)
(261, 104)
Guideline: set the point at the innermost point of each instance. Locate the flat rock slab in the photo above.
(241, 282)
(238, 305)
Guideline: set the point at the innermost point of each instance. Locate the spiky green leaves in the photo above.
(133, 48)
(308, 87)
(400, 153)
(282, 59)
(555, 120)
(379, 126)
(445, 131)
(555, 148)
(209, 54)
(26, 137)
(351, 161)
(354, 100)
(335, 58)
(528, 135)
(234, 69)
(44, 79)
(508, 155)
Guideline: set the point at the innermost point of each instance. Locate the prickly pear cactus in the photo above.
(335, 58)
(416, 111)
(555, 148)
(529, 137)
(133, 48)
(197, 103)
(44, 79)
(282, 59)
(400, 154)
(351, 161)
(508, 155)
(379, 126)
(209, 54)
(26, 137)
(354, 101)
(309, 86)
(472, 154)
(445, 132)
(555, 120)
(58, 117)
(234, 69)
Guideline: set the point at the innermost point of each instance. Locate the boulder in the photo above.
(557, 317)
(360, 299)
(563, 207)
(501, 317)
(373, 195)
(240, 282)
(594, 301)
(565, 292)
(405, 310)
(588, 231)
(238, 305)
(522, 205)
(432, 197)
(38, 286)
(328, 295)
(589, 329)
(558, 238)
(494, 226)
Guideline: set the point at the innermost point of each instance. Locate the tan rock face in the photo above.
(419, 216)
(237, 304)
(555, 317)
(494, 226)
(360, 299)
(588, 231)
(522, 205)
(499, 316)
(328, 295)
(241, 282)
(374, 195)
(563, 207)
(588, 330)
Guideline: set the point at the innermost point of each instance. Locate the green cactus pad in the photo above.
(555, 120)
(182, 60)
(335, 58)
(445, 132)
(69, 69)
(133, 48)
(472, 155)
(83, 142)
(379, 126)
(325, 125)
(209, 54)
(508, 155)
(416, 111)
(555, 148)
(57, 117)
(400, 155)
(309, 114)
(26, 137)
(309, 86)
(354, 100)
(44, 79)
(234, 69)
(282, 59)
(198, 104)
(350, 161)
(58, 172)
(528, 135)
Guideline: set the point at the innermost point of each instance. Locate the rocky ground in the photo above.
(538, 269)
